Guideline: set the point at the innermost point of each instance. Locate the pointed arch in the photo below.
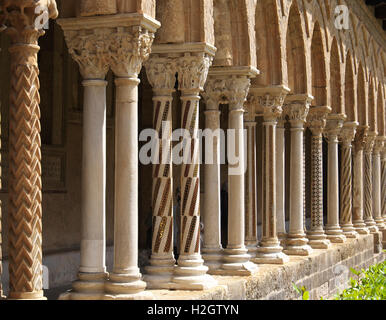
(381, 111)
(349, 94)
(361, 96)
(335, 80)
(372, 114)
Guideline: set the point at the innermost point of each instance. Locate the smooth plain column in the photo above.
(377, 214)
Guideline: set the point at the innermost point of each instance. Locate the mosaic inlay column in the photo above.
(25, 186)
(377, 176)
(297, 108)
(333, 230)
(358, 144)
(161, 73)
(368, 183)
(92, 57)
(346, 136)
(270, 251)
(191, 274)
(212, 249)
(236, 257)
(316, 121)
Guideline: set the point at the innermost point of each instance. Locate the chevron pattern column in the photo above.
(25, 195)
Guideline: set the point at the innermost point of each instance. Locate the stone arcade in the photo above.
(305, 96)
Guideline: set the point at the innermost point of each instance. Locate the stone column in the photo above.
(25, 195)
(297, 108)
(236, 258)
(212, 249)
(129, 47)
(333, 129)
(346, 136)
(250, 182)
(280, 180)
(358, 221)
(368, 185)
(377, 213)
(270, 251)
(191, 274)
(85, 48)
(316, 122)
(383, 182)
(161, 73)
(2, 28)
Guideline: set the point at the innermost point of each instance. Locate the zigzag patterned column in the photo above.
(368, 183)
(346, 136)
(377, 214)
(25, 195)
(161, 74)
(358, 221)
(190, 274)
(316, 122)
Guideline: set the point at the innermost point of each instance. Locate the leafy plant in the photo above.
(302, 292)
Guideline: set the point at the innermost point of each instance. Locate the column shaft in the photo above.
(377, 214)
(280, 181)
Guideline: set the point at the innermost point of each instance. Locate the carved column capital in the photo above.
(359, 140)
(378, 145)
(24, 20)
(347, 133)
(334, 126)
(129, 48)
(297, 107)
(316, 119)
(193, 71)
(161, 73)
(236, 91)
(369, 141)
(213, 92)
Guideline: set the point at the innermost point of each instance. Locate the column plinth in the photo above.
(333, 230)
(297, 109)
(347, 136)
(316, 122)
(359, 143)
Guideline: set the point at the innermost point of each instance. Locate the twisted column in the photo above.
(161, 74)
(369, 140)
(316, 122)
(190, 274)
(129, 47)
(377, 214)
(25, 195)
(212, 249)
(359, 144)
(297, 108)
(90, 49)
(236, 258)
(346, 136)
(333, 129)
(270, 251)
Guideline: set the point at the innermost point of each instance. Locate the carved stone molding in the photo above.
(213, 93)
(236, 91)
(347, 133)
(161, 72)
(316, 119)
(297, 107)
(333, 127)
(359, 140)
(369, 142)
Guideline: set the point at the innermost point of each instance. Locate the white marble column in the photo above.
(316, 121)
(359, 144)
(212, 248)
(369, 140)
(333, 230)
(236, 257)
(161, 73)
(125, 281)
(191, 274)
(377, 176)
(270, 101)
(346, 137)
(297, 108)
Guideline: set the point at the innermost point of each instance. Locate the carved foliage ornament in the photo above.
(214, 91)
(297, 111)
(271, 105)
(236, 91)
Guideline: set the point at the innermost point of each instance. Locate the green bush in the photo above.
(369, 285)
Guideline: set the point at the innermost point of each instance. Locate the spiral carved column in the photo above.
(359, 144)
(191, 274)
(25, 194)
(161, 74)
(368, 183)
(346, 136)
(377, 214)
(316, 122)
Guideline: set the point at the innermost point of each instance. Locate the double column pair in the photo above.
(98, 44)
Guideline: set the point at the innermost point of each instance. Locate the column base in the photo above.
(191, 274)
(380, 224)
(89, 286)
(318, 240)
(237, 263)
(72, 295)
(349, 231)
(335, 234)
(212, 258)
(270, 254)
(159, 273)
(252, 248)
(38, 295)
(125, 284)
(282, 238)
(297, 245)
(360, 227)
(145, 295)
(371, 226)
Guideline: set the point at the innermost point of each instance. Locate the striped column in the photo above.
(161, 74)
(316, 122)
(346, 136)
(191, 274)
(377, 175)
(368, 182)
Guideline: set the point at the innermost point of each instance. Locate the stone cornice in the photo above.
(179, 49)
(221, 72)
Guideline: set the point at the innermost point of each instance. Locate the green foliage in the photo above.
(302, 292)
(369, 285)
